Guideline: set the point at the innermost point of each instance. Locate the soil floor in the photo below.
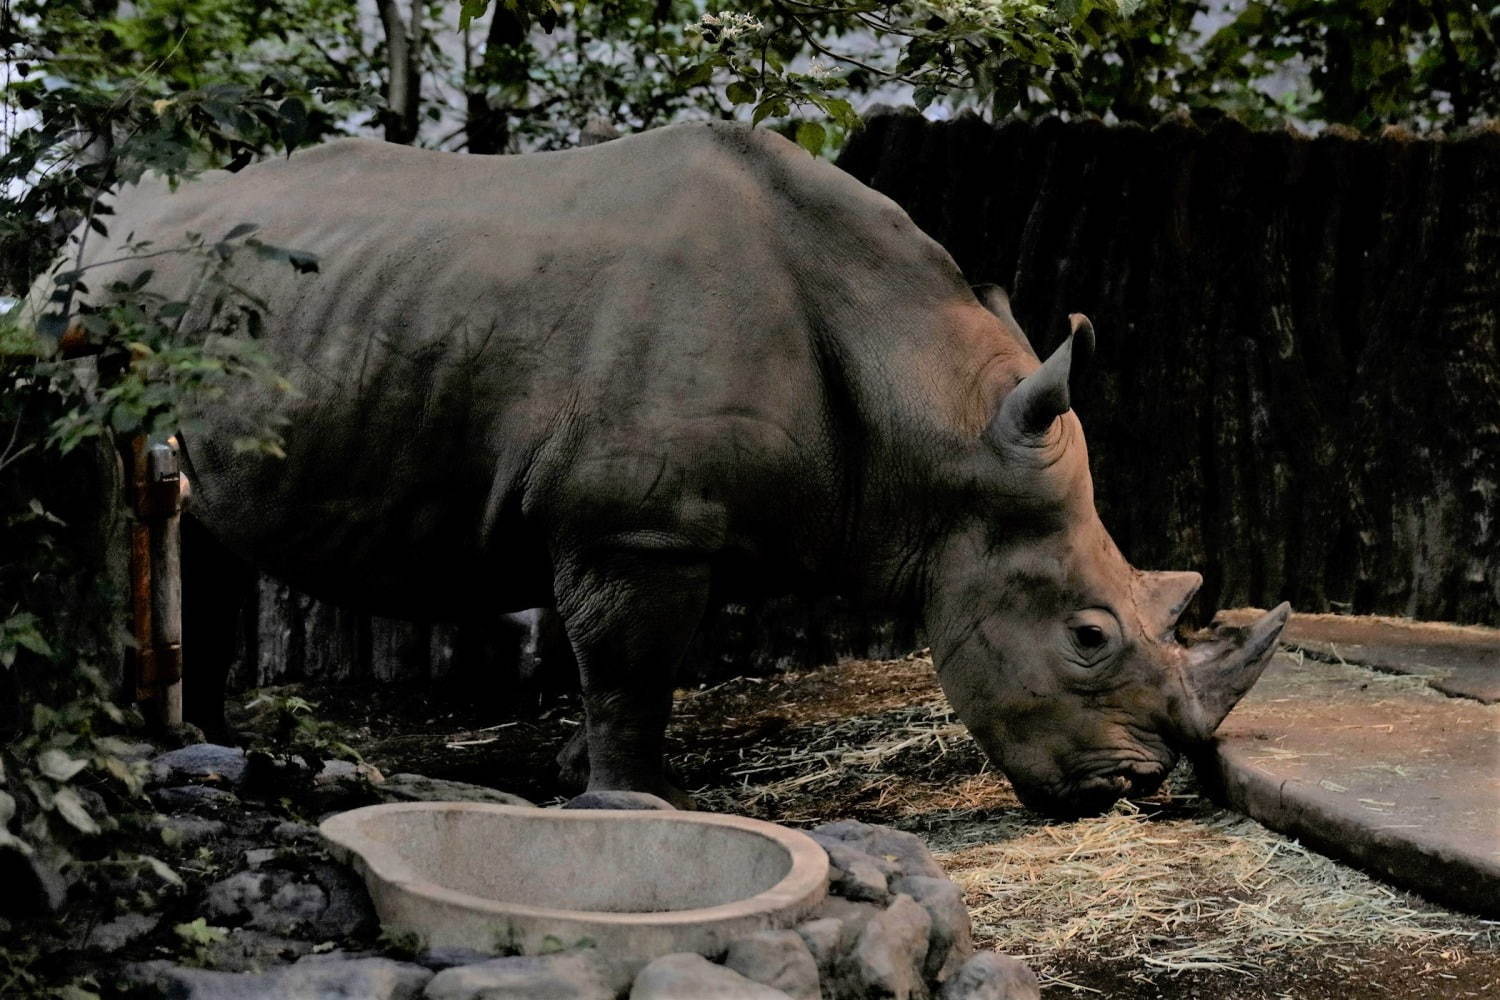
(1169, 897)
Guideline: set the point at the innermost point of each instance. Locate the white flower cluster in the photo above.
(987, 13)
(818, 69)
(730, 25)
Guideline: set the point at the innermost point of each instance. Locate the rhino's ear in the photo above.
(1047, 393)
(1162, 598)
(995, 299)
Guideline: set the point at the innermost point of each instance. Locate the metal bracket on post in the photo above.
(156, 580)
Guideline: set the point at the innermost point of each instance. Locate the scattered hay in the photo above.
(1170, 887)
(1217, 892)
(889, 762)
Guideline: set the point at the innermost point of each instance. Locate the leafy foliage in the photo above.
(1421, 64)
(290, 726)
(80, 120)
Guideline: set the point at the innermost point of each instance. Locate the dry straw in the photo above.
(1192, 888)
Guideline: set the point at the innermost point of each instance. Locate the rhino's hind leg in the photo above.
(630, 616)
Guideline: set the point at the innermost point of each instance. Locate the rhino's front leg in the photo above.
(630, 616)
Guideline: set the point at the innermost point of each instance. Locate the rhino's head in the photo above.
(1058, 655)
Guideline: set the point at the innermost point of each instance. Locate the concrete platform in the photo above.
(1379, 770)
(1461, 660)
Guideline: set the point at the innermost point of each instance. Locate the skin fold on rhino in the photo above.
(627, 380)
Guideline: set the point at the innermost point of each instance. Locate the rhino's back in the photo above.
(490, 339)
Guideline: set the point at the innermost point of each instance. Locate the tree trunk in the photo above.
(403, 44)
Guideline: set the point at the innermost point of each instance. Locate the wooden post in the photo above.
(156, 581)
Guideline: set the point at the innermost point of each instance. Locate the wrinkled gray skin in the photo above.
(626, 380)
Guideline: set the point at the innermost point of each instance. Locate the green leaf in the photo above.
(243, 229)
(770, 107)
(839, 110)
(469, 10)
(740, 92)
(811, 137)
(73, 991)
(293, 123)
(694, 75)
(200, 932)
(923, 96)
(162, 869)
(70, 807)
(8, 839)
(32, 640)
(122, 773)
(59, 766)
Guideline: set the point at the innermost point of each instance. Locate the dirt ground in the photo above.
(1168, 898)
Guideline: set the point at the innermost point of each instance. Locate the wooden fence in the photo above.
(1297, 389)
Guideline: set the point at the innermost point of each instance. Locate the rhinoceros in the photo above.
(629, 380)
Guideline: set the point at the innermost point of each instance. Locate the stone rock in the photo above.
(438, 959)
(334, 904)
(126, 929)
(290, 831)
(245, 949)
(258, 856)
(617, 800)
(991, 976)
(273, 774)
(822, 937)
(335, 771)
(350, 911)
(184, 833)
(778, 959)
(851, 917)
(905, 850)
(856, 875)
(265, 901)
(420, 788)
(524, 977)
(203, 762)
(364, 978)
(194, 798)
(951, 940)
(887, 958)
(685, 976)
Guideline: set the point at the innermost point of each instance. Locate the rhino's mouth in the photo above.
(1094, 793)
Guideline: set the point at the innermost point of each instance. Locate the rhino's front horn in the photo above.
(1218, 673)
(1047, 393)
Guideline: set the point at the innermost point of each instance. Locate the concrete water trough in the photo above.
(635, 884)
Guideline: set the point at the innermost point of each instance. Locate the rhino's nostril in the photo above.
(1142, 777)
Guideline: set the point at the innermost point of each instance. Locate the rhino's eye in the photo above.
(1094, 635)
(1089, 637)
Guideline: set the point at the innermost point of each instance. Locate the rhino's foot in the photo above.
(661, 788)
(573, 762)
(573, 775)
